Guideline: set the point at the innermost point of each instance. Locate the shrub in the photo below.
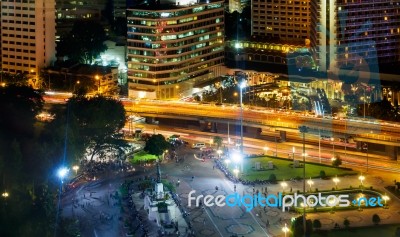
(346, 223)
(272, 178)
(376, 219)
(397, 234)
(322, 174)
(317, 224)
(337, 161)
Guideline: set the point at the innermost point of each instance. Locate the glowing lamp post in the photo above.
(284, 185)
(385, 198)
(219, 152)
(227, 162)
(266, 149)
(62, 173)
(310, 182)
(336, 180)
(237, 158)
(361, 178)
(5, 194)
(236, 172)
(293, 150)
(242, 85)
(75, 168)
(285, 229)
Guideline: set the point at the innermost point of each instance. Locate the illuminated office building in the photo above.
(27, 36)
(350, 33)
(283, 20)
(174, 45)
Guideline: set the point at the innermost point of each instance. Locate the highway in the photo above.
(281, 120)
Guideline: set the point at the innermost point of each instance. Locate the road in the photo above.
(351, 158)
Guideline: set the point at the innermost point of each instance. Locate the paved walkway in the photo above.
(227, 221)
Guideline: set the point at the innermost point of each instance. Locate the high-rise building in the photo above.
(27, 36)
(350, 33)
(174, 45)
(287, 21)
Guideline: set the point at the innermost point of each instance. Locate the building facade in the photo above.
(284, 20)
(172, 46)
(27, 36)
(355, 34)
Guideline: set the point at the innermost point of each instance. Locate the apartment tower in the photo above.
(285, 21)
(353, 33)
(27, 36)
(172, 45)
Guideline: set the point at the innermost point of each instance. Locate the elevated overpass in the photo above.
(378, 135)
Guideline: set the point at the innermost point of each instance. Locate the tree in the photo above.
(297, 227)
(397, 233)
(84, 43)
(376, 219)
(317, 224)
(346, 223)
(272, 178)
(337, 161)
(93, 125)
(218, 141)
(322, 174)
(19, 107)
(156, 145)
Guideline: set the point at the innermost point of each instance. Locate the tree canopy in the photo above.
(96, 120)
(84, 43)
(156, 145)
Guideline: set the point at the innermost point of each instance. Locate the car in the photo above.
(198, 145)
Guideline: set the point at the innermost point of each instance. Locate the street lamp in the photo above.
(62, 172)
(285, 229)
(242, 85)
(361, 178)
(293, 150)
(98, 85)
(76, 168)
(76, 83)
(266, 149)
(238, 158)
(365, 147)
(304, 130)
(236, 172)
(385, 198)
(5, 194)
(336, 180)
(310, 182)
(219, 152)
(284, 185)
(227, 162)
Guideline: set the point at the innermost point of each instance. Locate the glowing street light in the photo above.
(284, 185)
(62, 172)
(242, 85)
(76, 168)
(237, 157)
(219, 152)
(266, 149)
(293, 150)
(5, 194)
(385, 198)
(310, 182)
(227, 162)
(361, 178)
(336, 180)
(236, 172)
(285, 229)
(98, 85)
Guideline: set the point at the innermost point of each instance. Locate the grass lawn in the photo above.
(284, 171)
(142, 156)
(380, 230)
